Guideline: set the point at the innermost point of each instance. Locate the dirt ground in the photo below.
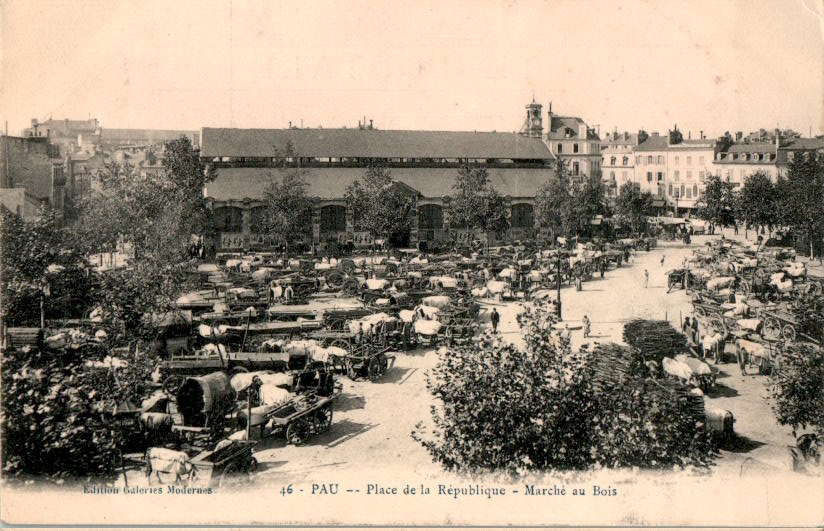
(370, 443)
(376, 419)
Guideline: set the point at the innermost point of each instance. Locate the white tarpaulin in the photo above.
(427, 327)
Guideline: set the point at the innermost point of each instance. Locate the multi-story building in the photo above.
(734, 162)
(70, 135)
(33, 165)
(789, 150)
(650, 166)
(674, 169)
(618, 160)
(423, 163)
(689, 162)
(572, 141)
(770, 153)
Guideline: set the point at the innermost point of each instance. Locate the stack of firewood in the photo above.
(654, 340)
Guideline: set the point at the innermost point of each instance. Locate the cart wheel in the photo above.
(384, 364)
(772, 328)
(700, 312)
(342, 343)
(351, 372)
(237, 369)
(303, 291)
(350, 287)
(229, 476)
(788, 333)
(323, 419)
(297, 432)
(374, 369)
(252, 465)
(335, 279)
(171, 384)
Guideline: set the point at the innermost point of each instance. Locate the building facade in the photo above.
(69, 135)
(572, 141)
(674, 169)
(32, 164)
(618, 159)
(424, 163)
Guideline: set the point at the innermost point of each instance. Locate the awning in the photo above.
(658, 203)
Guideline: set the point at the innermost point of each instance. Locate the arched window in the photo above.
(612, 161)
(626, 161)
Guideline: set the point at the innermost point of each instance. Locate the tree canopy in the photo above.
(475, 204)
(718, 203)
(633, 206)
(380, 206)
(802, 197)
(758, 201)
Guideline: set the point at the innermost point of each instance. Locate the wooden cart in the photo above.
(301, 418)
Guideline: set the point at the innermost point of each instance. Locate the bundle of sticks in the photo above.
(654, 340)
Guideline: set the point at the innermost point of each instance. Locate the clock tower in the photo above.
(533, 127)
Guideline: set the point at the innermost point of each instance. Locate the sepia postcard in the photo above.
(459, 263)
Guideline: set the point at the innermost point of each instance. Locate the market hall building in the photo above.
(423, 163)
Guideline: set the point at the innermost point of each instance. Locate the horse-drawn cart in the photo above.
(298, 419)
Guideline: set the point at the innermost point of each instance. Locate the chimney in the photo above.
(370, 124)
(689, 135)
(738, 136)
(701, 134)
(777, 142)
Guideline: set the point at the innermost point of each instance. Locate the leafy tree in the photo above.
(183, 168)
(759, 207)
(798, 388)
(475, 204)
(288, 208)
(587, 202)
(553, 200)
(717, 205)
(803, 198)
(379, 206)
(501, 408)
(155, 216)
(40, 260)
(633, 206)
(59, 411)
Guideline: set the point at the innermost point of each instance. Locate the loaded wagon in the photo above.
(298, 419)
(229, 462)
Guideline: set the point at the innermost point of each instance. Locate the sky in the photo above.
(720, 65)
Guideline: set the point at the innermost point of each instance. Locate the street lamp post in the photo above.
(558, 278)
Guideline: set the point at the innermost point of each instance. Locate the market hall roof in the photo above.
(371, 143)
(330, 183)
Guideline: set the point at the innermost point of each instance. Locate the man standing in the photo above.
(586, 325)
(662, 260)
(646, 278)
(495, 318)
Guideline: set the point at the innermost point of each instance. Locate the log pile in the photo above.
(654, 340)
(611, 364)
